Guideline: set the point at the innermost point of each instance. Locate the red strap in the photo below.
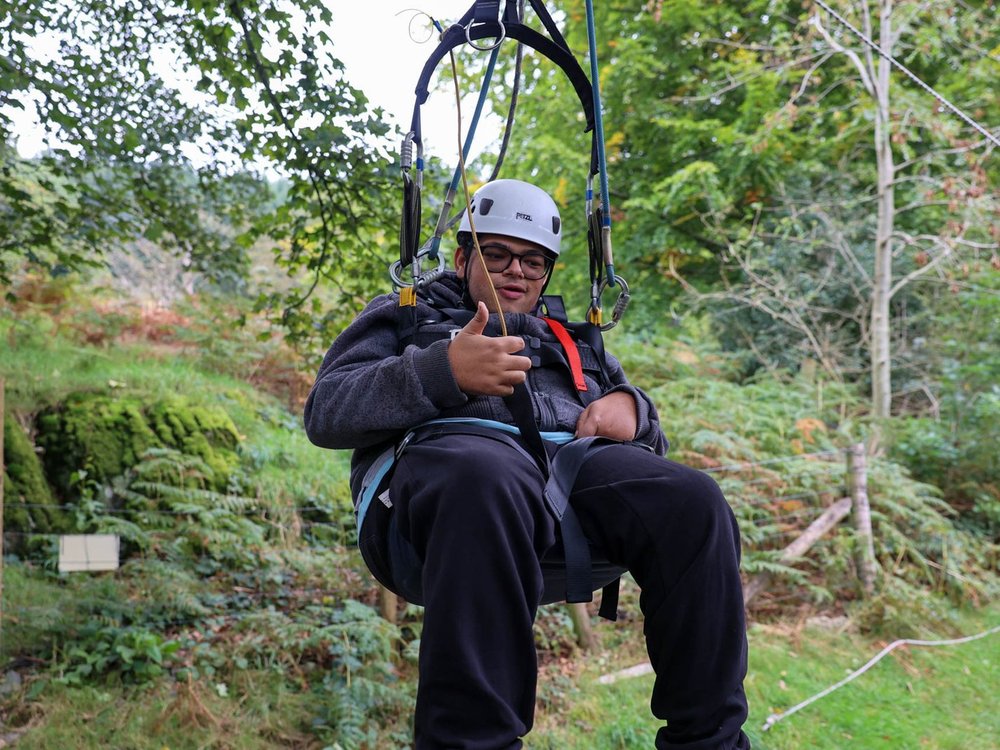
(569, 346)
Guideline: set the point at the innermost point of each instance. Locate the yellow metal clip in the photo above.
(407, 297)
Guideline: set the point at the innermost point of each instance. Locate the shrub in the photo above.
(106, 435)
(958, 453)
(28, 502)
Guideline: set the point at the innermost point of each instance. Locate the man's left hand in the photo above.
(613, 416)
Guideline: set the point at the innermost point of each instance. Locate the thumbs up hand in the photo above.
(486, 365)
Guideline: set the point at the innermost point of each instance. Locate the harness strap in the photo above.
(591, 335)
(560, 476)
(572, 353)
(564, 470)
(455, 35)
(486, 10)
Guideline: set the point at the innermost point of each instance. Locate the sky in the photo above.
(385, 62)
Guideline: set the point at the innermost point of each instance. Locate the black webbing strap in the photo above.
(609, 601)
(485, 10)
(554, 307)
(519, 404)
(560, 474)
(455, 36)
(409, 228)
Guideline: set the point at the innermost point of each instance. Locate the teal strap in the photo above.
(558, 438)
(602, 160)
(376, 473)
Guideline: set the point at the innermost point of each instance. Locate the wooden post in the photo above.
(581, 625)
(830, 518)
(388, 604)
(857, 482)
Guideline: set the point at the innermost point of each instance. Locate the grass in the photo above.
(42, 366)
(917, 698)
(940, 698)
(259, 711)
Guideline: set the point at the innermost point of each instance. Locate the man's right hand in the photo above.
(486, 365)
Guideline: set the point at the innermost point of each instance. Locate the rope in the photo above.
(926, 87)
(775, 718)
(443, 224)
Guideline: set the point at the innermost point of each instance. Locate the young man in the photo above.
(459, 520)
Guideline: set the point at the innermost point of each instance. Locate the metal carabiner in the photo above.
(396, 270)
(406, 151)
(497, 43)
(594, 315)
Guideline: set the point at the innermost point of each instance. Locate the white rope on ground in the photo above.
(775, 718)
(623, 674)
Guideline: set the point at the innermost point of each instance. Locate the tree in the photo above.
(745, 166)
(874, 72)
(136, 150)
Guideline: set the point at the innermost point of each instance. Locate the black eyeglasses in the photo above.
(498, 258)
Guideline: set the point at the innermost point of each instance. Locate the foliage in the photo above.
(951, 443)
(775, 449)
(742, 171)
(136, 654)
(132, 153)
(28, 502)
(739, 151)
(105, 435)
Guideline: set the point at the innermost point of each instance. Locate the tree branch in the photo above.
(866, 78)
(948, 251)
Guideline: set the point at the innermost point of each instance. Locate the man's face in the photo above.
(516, 292)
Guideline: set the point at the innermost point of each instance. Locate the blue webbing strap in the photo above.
(371, 483)
(379, 470)
(456, 176)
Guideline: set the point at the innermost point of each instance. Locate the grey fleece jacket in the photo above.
(367, 395)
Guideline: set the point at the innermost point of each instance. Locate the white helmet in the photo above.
(515, 209)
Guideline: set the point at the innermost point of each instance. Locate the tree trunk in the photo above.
(881, 355)
(581, 626)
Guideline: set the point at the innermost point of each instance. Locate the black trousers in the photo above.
(470, 510)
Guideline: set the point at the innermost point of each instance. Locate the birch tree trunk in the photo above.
(874, 75)
(881, 354)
